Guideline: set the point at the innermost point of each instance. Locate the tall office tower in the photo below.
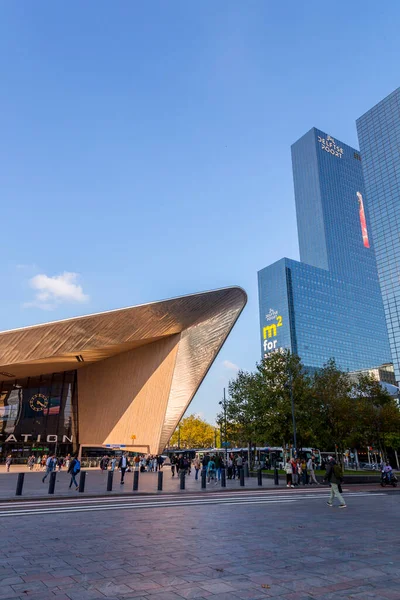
(329, 305)
(379, 137)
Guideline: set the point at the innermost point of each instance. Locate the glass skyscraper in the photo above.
(379, 137)
(329, 305)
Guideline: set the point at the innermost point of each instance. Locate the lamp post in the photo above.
(224, 404)
(290, 386)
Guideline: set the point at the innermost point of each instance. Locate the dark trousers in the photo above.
(123, 469)
(73, 480)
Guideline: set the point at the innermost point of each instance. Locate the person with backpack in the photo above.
(334, 475)
(211, 470)
(73, 470)
(51, 463)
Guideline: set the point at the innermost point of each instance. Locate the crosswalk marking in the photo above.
(221, 499)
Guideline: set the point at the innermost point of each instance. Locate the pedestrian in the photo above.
(294, 472)
(239, 465)
(60, 463)
(218, 466)
(289, 473)
(50, 466)
(211, 470)
(230, 468)
(334, 475)
(123, 465)
(304, 472)
(197, 466)
(38, 463)
(310, 469)
(31, 462)
(136, 460)
(8, 462)
(73, 470)
(205, 461)
(173, 465)
(159, 463)
(113, 463)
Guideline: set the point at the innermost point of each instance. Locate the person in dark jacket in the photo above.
(73, 470)
(122, 466)
(334, 476)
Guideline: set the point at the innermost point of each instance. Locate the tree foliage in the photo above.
(331, 409)
(194, 432)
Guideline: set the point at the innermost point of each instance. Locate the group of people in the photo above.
(143, 463)
(300, 471)
(211, 464)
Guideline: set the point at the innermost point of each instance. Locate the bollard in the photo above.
(182, 477)
(246, 469)
(109, 481)
(276, 476)
(20, 484)
(52, 483)
(203, 479)
(241, 477)
(82, 480)
(223, 478)
(135, 481)
(160, 480)
(259, 477)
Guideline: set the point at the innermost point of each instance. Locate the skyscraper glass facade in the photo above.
(329, 305)
(379, 137)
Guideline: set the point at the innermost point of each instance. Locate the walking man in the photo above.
(310, 470)
(50, 466)
(73, 470)
(123, 465)
(334, 476)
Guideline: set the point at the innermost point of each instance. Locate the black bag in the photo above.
(340, 488)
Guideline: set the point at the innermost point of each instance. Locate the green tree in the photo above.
(334, 397)
(194, 432)
(378, 415)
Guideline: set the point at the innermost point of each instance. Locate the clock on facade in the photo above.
(39, 402)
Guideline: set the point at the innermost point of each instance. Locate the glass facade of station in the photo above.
(330, 304)
(379, 137)
(39, 415)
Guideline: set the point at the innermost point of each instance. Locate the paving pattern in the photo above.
(286, 545)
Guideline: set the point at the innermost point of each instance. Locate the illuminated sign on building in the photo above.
(363, 221)
(329, 145)
(271, 331)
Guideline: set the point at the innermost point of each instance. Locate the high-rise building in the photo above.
(379, 137)
(329, 305)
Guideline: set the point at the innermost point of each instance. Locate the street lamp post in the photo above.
(224, 403)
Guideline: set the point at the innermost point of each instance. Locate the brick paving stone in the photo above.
(216, 587)
(148, 554)
(192, 592)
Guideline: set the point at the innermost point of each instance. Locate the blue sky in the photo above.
(145, 146)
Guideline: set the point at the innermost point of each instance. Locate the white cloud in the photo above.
(230, 365)
(51, 291)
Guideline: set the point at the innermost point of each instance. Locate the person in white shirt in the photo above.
(310, 469)
(289, 473)
(123, 465)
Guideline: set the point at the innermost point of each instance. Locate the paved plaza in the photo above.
(282, 544)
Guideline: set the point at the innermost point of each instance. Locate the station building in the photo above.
(118, 379)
